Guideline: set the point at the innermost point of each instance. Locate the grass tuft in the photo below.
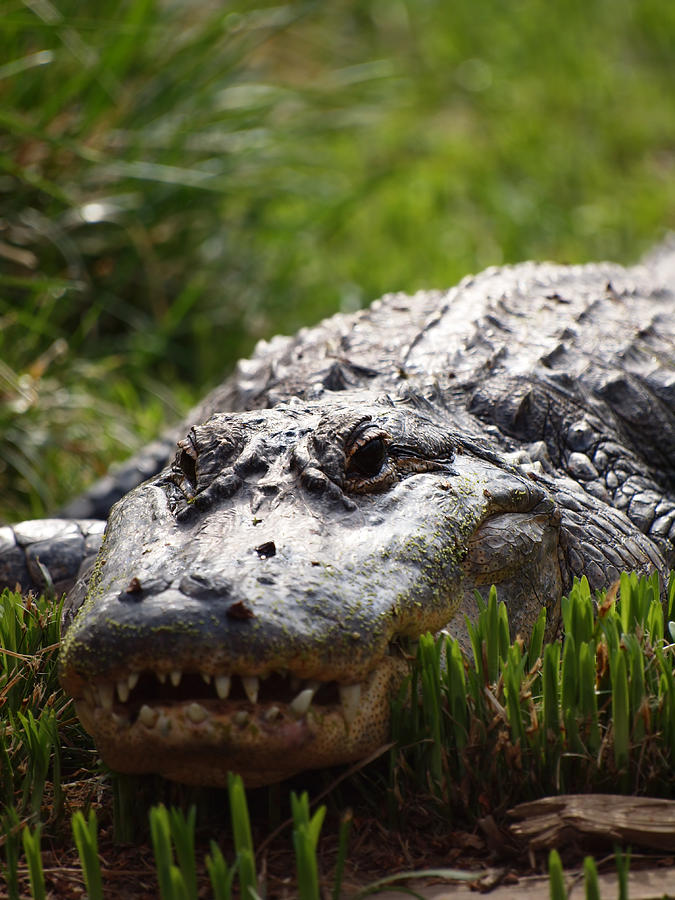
(507, 726)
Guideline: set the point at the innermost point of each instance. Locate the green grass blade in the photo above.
(306, 832)
(241, 830)
(513, 676)
(577, 611)
(504, 634)
(10, 828)
(637, 694)
(40, 738)
(220, 874)
(537, 640)
(569, 675)
(183, 834)
(306, 864)
(622, 871)
(343, 845)
(160, 832)
(655, 621)
(652, 594)
(429, 655)
(667, 698)
(455, 691)
(7, 774)
(245, 869)
(178, 888)
(477, 645)
(86, 841)
(550, 688)
(620, 710)
(450, 875)
(591, 885)
(629, 606)
(582, 614)
(555, 877)
(492, 638)
(31, 848)
(588, 701)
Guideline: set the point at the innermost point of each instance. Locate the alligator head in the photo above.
(251, 607)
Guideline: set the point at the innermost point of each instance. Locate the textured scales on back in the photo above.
(351, 487)
(581, 358)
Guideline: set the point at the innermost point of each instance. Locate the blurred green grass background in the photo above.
(180, 179)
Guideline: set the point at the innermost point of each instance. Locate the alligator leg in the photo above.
(47, 553)
(39, 554)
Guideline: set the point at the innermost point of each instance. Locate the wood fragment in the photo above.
(603, 818)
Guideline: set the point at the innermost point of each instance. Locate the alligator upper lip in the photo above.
(146, 696)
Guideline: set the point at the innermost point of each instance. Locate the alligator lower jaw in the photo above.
(199, 740)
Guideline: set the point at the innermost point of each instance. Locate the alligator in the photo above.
(255, 601)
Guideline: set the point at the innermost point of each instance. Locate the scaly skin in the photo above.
(350, 488)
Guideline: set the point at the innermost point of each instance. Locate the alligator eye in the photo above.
(367, 461)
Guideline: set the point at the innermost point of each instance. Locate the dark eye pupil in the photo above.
(367, 460)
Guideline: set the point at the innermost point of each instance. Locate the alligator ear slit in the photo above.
(188, 465)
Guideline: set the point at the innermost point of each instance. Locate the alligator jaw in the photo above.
(266, 729)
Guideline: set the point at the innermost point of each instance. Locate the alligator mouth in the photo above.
(280, 695)
(194, 726)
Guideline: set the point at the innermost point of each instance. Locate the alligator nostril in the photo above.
(239, 610)
(266, 550)
(133, 591)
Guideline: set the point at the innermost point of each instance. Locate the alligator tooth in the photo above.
(206, 677)
(161, 677)
(196, 713)
(148, 716)
(240, 717)
(105, 694)
(272, 713)
(119, 720)
(251, 686)
(132, 680)
(164, 725)
(302, 702)
(123, 691)
(350, 698)
(223, 686)
(175, 675)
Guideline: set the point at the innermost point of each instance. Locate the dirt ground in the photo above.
(493, 859)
